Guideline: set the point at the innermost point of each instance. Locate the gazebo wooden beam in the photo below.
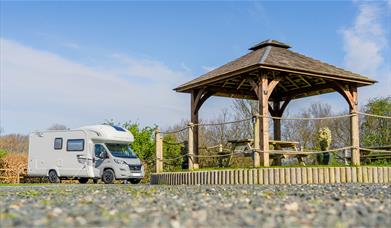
(284, 105)
(276, 122)
(198, 97)
(272, 85)
(205, 96)
(271, 110)
(241, 83)
(228, 92)
(276, 111)
(293, 83)
(351, 96)
(344, 92)
(295, 92)
(303, 79)
(364, 81)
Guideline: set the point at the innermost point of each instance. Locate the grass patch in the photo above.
(29, 193)
(7, 216)
(133, 192)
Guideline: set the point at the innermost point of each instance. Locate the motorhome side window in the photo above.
(75, 145)
(98, 150)
(58, 143)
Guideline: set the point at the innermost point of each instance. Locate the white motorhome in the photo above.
(91, 152)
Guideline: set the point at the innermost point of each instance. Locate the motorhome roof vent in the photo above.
(118, 128)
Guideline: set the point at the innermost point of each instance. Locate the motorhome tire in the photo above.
(108, 176)
(83, 180)
(95, 180)
(53, 177)
(134, 181)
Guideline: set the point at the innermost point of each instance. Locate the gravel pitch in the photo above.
(348, 205)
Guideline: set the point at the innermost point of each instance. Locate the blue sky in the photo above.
(78, 63)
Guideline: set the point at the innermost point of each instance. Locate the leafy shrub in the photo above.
(2, 153)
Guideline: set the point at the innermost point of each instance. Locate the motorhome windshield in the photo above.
(121, 150)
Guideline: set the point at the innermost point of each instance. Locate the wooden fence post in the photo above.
(190, 146)
(220, 159)
(256, 154)
(158, 151)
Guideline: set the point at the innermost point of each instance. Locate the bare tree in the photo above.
(305, 131)
(244, 109)
(14, 143)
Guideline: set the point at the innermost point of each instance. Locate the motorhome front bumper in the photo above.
(137, 171)
(137, 175)
(130, 172)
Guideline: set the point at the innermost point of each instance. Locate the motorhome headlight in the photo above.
(120, 162)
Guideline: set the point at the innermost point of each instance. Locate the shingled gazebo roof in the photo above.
(302, 76)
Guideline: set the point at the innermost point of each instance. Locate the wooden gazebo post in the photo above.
(263, 90)
(355, 127)
(198, 97)
(350, 95)
(277, 111)
(194, 121)
(276, 122)
(264, 122)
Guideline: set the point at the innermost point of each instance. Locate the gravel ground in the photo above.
(193, 206)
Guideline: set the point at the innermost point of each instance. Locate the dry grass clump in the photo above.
(13, 157)
(12, 165)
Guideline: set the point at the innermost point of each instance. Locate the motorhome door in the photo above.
(99, 159)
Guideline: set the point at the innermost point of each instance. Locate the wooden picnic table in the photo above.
(292, 146)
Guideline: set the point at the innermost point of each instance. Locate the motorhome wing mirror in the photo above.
(103, 154)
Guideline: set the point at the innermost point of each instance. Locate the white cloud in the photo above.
(39, 88)
(364, 45)
(364, 40)
(150, 70)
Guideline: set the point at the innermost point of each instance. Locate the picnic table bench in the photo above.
(370, 154)
(247, 146)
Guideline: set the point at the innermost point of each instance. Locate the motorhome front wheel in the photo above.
(108, 176)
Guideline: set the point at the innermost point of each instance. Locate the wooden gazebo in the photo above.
(271, 72)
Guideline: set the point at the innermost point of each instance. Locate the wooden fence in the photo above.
(11, 175)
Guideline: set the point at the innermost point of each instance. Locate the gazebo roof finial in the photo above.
(269, 42)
